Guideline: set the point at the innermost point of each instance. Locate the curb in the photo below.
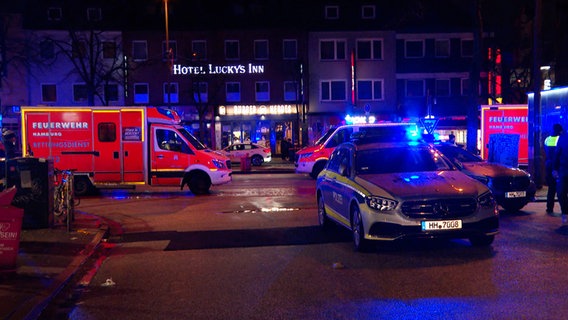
(33, 308)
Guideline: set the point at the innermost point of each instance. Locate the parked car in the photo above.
(388, 191)
(513, 188)
(258, 154)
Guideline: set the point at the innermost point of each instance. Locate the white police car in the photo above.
(398, 190)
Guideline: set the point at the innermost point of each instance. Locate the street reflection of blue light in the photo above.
(412, 177)
(424, 309)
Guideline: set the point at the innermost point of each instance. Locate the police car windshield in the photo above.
(193, 140)
(399, 160)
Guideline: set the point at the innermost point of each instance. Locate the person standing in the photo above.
(9, 139)
(560, 172)
(550, 149)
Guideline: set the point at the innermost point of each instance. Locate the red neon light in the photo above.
(352, 78)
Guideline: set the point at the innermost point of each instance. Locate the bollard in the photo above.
(245, 163)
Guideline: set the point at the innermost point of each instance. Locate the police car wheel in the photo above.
(359, 242)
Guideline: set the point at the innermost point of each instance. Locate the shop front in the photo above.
(267, 125)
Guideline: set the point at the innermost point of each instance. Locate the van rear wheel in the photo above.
(82, 186)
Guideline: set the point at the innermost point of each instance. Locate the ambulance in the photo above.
(312, 159)
(121, 147)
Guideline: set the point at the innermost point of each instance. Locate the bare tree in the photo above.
(95, 56)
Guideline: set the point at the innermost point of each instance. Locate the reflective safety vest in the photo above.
(551, 141)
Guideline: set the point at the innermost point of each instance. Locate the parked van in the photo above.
(312, 159)
(121, 147)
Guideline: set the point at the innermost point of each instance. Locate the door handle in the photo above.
(115, 154)
(161, 156)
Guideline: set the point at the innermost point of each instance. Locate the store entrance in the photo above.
(283, 138)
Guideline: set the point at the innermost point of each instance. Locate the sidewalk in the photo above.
(48, 258)
(277, 165)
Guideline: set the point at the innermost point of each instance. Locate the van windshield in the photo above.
(325, 136)
(193, 140)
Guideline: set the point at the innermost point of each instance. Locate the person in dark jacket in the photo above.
(560, 172)
(10, 146)
(550, 149)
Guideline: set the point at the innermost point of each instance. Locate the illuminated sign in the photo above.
(239, 110)
(349, 119)
(512, 119)
(212, 69)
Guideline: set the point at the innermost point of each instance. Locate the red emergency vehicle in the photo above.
(121, 147)
(312, 159)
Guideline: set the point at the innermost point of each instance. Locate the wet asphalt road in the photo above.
(252, 250)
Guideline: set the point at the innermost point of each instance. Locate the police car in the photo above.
(385, 191)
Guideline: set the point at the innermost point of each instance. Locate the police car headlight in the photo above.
(381, 204)
(487, 200)
(218, 163)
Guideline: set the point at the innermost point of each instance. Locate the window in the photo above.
(290, 49)
(290, 90)
(141, 93)
(171, 141)
(368, 12)
(171, 92)
(54, 14)
(48, 93)
(200, 92)
(139, 50)
(233, 91)
(232, 49)
(331, 12)
(199, 50)
(79, 49)
(172, 55)
(414, 49)
(370, 89)
(333, 90)
(262, 91)
(109, 50)
(111, 92)
(465, 87)
(47, 49)
(442, 87)
(261, 49)
(370, 49)
(106, 131)
(332, 49)
(442, 48)
(80, 93)
(467, 48)
(415, 88)
(94, 14)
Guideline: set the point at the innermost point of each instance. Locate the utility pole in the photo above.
(535, 125)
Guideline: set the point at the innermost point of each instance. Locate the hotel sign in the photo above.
(212, 69)
(240, 110)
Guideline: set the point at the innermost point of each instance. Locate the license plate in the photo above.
(441, 225)
(516, 194)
